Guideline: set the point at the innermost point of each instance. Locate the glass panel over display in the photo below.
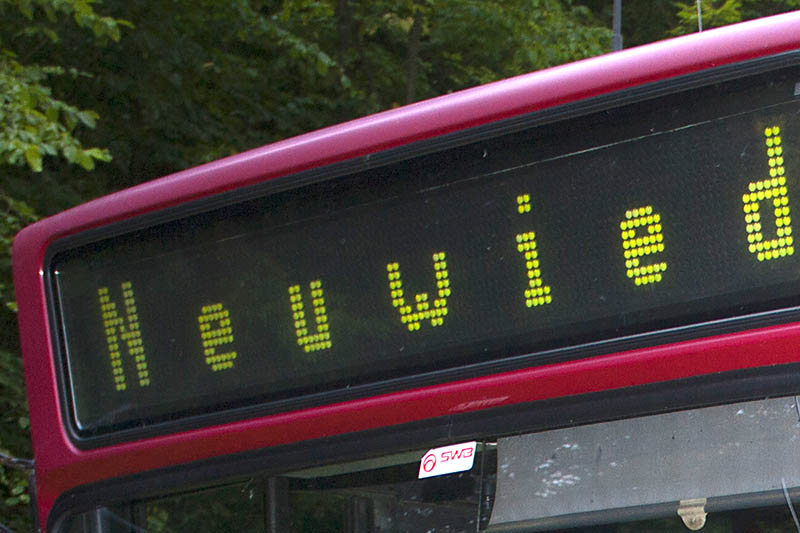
(666, 212)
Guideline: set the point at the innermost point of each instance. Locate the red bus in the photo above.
(567, 299)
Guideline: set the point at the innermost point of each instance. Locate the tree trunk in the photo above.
(345, 27)
(414, 35)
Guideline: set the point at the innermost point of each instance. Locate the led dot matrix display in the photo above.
(321, 339)
(554, 235)
(537, 293)
(216, 331)
(642, 237)
(423, 308)
(119, 331)
(770, 193)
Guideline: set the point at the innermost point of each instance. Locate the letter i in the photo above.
(536, 293)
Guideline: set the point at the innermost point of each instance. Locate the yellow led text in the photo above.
(423, 310)
(638, 246)
(321, 340)
(537, 293)
(772, 191)
(118, 331)
(216, 331)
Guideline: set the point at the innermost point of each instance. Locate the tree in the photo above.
(646, 21)
(397, 52)
(643, 21)
(35, 123)
(198, 81)
(716, 13)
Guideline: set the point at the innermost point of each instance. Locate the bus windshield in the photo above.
(726, 468)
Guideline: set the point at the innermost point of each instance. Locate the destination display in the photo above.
(633, 218)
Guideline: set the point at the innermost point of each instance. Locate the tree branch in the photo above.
(15, 462)
(414, 36)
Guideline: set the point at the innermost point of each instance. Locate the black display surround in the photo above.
(659, 213)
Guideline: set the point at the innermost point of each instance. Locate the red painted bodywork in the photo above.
(60, 466)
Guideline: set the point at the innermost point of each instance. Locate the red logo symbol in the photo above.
(452, 455)
(429, 462)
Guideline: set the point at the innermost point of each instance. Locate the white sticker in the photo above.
(448, 460)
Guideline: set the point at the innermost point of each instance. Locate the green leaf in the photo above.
(84, 160)
(99, 154)
(34, 158)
